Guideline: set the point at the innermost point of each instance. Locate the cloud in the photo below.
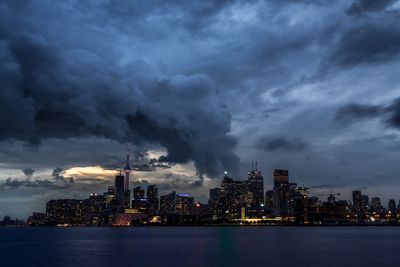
(60, 178)
(28, 172)
(36, 183)
(57, 181)
(369, 41)
(394, 110)
(355, 112)
(53, 90)
(364, 6)
(281, 143)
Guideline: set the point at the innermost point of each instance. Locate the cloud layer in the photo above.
(55, 89)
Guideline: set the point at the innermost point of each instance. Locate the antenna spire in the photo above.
(127, 166)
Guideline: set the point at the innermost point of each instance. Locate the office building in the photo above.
(119, 184)
(255, 183)
(152, 199)
(357, 203)
(184, 204)
(281, 192)
(392, 207)
(138, 192)
(168, 203)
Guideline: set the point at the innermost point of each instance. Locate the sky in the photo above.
(196, 88)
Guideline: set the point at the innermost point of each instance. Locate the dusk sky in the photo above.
(195, 88)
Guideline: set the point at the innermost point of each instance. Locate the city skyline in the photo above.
(196, 89)
(132, 198)
(234, 202)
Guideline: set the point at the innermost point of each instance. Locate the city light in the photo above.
(233, 202)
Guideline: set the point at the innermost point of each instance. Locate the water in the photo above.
(200, 246)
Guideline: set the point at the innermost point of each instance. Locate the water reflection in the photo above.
(200, 246)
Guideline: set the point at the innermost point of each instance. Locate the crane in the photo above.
(331, 195)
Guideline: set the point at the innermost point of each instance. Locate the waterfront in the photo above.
(200, 246)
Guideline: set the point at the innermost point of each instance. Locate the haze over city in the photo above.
(194, 89)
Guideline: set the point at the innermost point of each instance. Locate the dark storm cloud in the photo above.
(363, 6)
(366, 39)
(37, 183)
(394, 110)
(355, 112)
(368, 42)
(28, 172)
(50, 90)
(58, 177)
(281, 143)
(57, 180)
(192, 15)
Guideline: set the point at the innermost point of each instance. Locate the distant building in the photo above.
(281, 191)
(255, 183)
(215, 196)
(140, 204)
(168, 203)
(231, 195)
(298, 203)
(281, 178)
(138, 192)
(110, 194)
(269, 199)
(127, 199)
(357, 203)
(392, 207)
(376, 206)
(37, 219)
(65, 211)
(184, 204)
(365, 204)
(217, 204)
(95, 206)
(119, 184)
(152, 200)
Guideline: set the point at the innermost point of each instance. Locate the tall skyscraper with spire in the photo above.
(255, 185)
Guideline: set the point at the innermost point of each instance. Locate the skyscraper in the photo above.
(357, 202)
(392, 207)
(217, 205)
(269, 199)
(184, 204)
(127, 199)
(255, 185)
(281, 178)
(281, 191)
(138, 192)
(94, 208)
(228, 196)
(139, 202)
(376, 205)
(152, 199)
(119, 188)
(365, 204)
(168, 203)
(110, 194)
